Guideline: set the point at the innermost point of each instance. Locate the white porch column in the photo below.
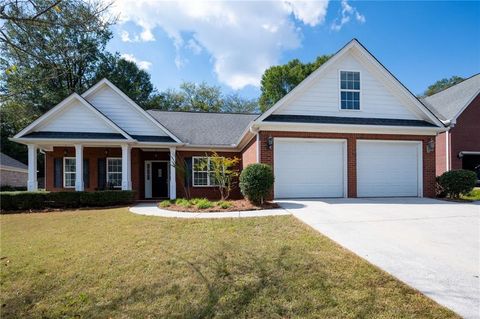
(173, 175)
(126, 168)
(32, 184)
(79, 167)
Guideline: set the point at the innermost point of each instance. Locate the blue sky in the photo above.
(231, 43)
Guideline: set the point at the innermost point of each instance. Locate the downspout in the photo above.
(447, 154)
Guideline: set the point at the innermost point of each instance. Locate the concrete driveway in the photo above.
(432, 245)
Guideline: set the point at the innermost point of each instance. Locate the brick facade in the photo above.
(249, 153)
(266, 154)
(13, 178)
(464, 136)
(207, 192)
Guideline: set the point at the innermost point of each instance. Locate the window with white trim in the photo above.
(69, 172)
(202, 172)
(349, 90)
(114, 172)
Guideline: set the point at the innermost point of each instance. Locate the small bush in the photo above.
(165, 203)
(7, 188)
(457, 182)
(183, 202)
(204, 203)
(224, 204)
(15, 201)
(256, 181)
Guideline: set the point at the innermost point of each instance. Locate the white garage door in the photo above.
(307, 168)
(386, 168)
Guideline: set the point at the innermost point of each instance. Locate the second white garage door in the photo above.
(308, 168)
(389, 168)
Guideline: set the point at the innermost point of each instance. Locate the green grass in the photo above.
(473, 196)
(114, 264)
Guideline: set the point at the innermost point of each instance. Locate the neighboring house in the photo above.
(12, 172)
(458, 107)
(351, 129)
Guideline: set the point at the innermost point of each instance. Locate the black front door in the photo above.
(159, 179)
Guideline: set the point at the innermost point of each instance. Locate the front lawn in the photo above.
(111, 263)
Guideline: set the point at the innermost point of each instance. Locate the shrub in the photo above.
(183, 202)
(256, 181)
(14, 201)
(204, 203)
(224, 204)
(7, 188)
(165, 203)
(457, 182)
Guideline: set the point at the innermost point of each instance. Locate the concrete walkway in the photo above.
(152, 209)
(432, 245)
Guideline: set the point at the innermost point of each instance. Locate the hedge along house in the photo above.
(350, 129)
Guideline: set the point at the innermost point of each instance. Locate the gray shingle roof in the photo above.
(448, 103)
(199, 128)
(346, 120)
(75, 135)
(6, 160)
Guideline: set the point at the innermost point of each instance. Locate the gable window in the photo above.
(114, 172)
(203, 172)
(349, 90)
(69, 174)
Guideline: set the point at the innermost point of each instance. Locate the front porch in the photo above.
(86, 167)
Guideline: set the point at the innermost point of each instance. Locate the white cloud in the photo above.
(347, 12)
(243, 38)
(144, 65)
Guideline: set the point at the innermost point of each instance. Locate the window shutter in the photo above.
(188, 172)
(102, 173)
(58, 172)
(86, 173)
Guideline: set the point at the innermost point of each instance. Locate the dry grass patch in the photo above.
(111, 263)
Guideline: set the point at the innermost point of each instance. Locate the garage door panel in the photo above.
(387, 169)
(308, 168)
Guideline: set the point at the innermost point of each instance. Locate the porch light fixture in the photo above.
(65, 152)
(270, 142)
(106, 152)
(430, 146)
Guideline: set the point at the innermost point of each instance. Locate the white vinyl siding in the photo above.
(114, 172)
(309, 168)
(322, 98)
(76, 117)
(69, 174)
(122, 113)
(389, 168)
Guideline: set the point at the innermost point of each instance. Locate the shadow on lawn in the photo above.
(231, 283)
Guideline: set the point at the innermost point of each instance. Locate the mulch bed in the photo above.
(237, 205)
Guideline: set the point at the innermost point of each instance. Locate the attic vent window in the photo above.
(349, 90)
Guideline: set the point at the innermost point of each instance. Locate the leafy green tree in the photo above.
(278, 80)
(442, 85)
(201, 97)
(127, 76)
(46, 57)
(14, 117)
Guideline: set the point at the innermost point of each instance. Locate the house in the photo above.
(350, 129)
(459, 107)
(12, 172)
